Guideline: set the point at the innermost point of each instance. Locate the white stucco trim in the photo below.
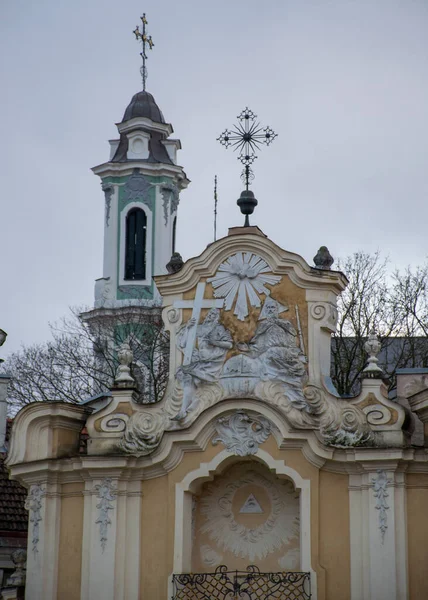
(379, 569)
(149, 238)
(98, 562)
(42, 563)
(206, 471)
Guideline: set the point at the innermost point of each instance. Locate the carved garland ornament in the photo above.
(106, 493)
(379, 485)
(108, 190)
(137, 188)
(33, 504)
(242, 433)
(279, 529)
(170, 197)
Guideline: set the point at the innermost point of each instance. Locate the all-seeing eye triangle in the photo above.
(251, 506)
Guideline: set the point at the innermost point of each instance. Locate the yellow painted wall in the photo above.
(334, 534)
(329, 523)
(417, 531)
(156, 561)
(70, 542)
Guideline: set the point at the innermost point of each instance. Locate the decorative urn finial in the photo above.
(247, 203)
(372, 347)
(125, 356)
(175, 263)
(323, 259)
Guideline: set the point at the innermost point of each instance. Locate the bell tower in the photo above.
(141, 183)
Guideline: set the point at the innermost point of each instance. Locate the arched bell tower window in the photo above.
(136, 236)
(174, 228)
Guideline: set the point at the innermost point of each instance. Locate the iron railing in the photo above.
(243, 585)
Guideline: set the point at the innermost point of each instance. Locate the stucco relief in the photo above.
(33, 504)
(270, 365)
(241, 433)
(278, 526)
(106, 494)
(240, 279)
(324, 311)
(137, 188)
(170, 199)
(251, 506)
(209, 556)
(207, 358)
(108, 190)
(271, 354)
(380, 490)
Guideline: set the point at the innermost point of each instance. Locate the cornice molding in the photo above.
(111, 169)
(280, 261)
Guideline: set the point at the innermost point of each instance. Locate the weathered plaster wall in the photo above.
(70, 542)
(417, 534)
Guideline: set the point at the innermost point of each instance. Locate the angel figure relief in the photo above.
(273, 354)
(213, 341)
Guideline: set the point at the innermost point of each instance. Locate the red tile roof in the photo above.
(13, 515)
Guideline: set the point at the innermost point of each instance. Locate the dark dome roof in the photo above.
(143, 105)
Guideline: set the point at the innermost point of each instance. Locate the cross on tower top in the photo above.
(144, 39)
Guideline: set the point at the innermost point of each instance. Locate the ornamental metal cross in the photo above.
(247, 137)
(145, 39)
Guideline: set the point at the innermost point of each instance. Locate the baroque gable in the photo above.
(249, 321)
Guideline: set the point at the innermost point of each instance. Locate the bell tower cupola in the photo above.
(141, 183)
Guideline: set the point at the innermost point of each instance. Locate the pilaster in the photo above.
(99, 539)
(378, 533)
(111, 539)
(43, 503)
(322, 317)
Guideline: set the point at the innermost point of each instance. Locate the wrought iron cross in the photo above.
(247, 137)
(144, 39)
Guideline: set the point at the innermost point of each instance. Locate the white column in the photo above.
(378, 535)
(99, 539)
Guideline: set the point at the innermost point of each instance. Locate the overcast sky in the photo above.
(344, 83)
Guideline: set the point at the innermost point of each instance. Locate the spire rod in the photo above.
(145, 40)
(215, 207)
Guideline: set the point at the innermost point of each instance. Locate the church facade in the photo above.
(250, 478)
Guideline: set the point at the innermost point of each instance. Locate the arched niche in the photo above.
(192, 486)
(246, 515)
